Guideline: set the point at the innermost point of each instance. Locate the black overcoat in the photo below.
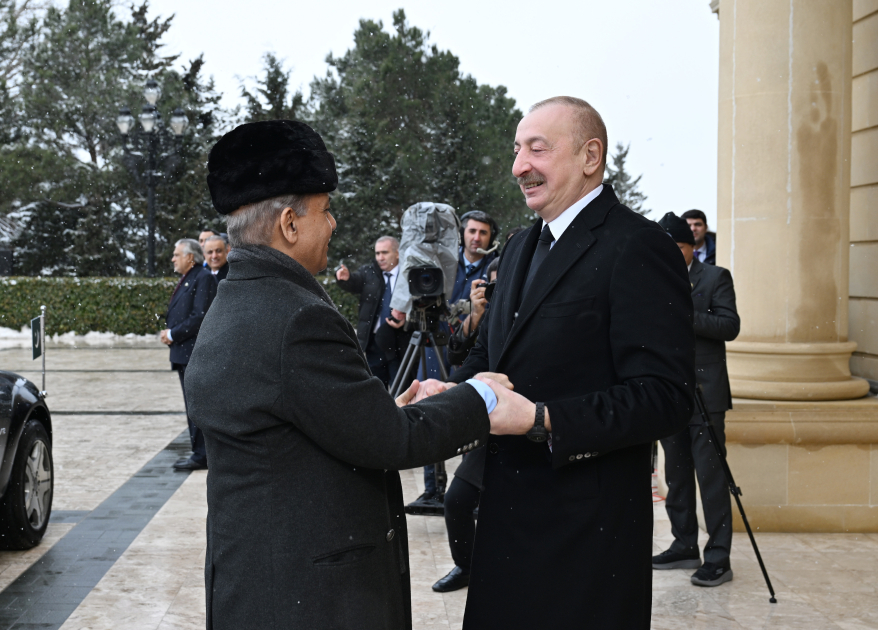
(605, 339)
(305, 527)
(186, 311)
(716, 322)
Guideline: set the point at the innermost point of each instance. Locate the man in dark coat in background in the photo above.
(705, 240)
(305, 525)
(591, 320)
(383, 344)
(691, 452)
(192, 297)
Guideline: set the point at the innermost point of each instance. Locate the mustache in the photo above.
(530, 178)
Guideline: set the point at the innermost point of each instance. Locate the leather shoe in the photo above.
(455, 580)
(190, 464)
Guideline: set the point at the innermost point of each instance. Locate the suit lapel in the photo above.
(519, 271)
(183, 288)
(573, 244)
(695, 274)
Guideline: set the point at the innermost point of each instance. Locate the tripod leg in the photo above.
(403, 375)
(443, 373)
(735, 490)
(423, 352)
(441, 477)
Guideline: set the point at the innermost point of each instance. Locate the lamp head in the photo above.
(152, 92)
(148, 118)
(124, 121)
(179, 122)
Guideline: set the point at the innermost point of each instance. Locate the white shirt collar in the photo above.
(393, 273)
(560, 223)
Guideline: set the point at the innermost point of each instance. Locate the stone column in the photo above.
(784, 195)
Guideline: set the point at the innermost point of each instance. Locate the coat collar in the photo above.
(573, 244)
(250, 262)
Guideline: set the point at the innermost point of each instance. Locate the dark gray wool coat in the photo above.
(305, 527)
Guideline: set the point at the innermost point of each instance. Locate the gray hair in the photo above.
(394, 243)
(254, 224)
(217, 237)
(191, 246)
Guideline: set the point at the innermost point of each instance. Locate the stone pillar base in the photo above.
(805, 466)
(802, 466)
(793, 371)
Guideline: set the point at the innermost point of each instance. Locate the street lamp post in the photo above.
(149, 147)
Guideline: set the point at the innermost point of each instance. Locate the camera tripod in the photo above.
(734, 489)
(430, 336)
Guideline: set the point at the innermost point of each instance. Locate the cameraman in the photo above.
(465, 489)
(478, 232)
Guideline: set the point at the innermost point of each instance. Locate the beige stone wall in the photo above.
(863, 309)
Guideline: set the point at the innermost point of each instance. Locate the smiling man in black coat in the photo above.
(305, 525)
(591, 319)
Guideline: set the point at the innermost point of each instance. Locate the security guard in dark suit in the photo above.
(690, 453)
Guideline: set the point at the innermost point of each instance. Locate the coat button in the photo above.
(476, 443)
(390, 535)
(494, 449)
(459, 451)
(469, 446)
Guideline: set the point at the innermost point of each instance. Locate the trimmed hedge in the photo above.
(115, 305)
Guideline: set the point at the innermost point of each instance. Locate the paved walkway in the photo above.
(117, 410)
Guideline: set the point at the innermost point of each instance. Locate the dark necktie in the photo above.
(544, 245)
(385, 300)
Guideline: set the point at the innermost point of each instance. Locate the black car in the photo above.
(26, 474)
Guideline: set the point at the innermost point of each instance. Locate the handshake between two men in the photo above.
(509, 413)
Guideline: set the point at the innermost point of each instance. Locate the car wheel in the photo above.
(27, 503)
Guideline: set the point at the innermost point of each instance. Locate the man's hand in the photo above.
(164, 337)
(477, 298)
(502, 379)
(431, 387)
(342, 273)
(514, 414)
(408, 395)
(399, 316)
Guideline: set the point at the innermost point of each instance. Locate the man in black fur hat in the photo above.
(690, 453)
(305, 526)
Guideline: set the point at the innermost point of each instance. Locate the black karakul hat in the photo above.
(678, 228)
(261, 160)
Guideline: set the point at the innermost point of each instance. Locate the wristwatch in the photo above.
(538, 433)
